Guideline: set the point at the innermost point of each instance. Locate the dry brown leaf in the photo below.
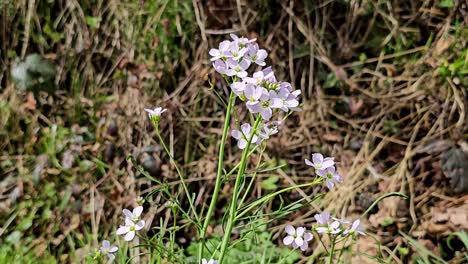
(443, 44)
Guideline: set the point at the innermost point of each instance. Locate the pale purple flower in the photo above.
(256, 55)
(220, 66)
(268, 130)
(297, 237)
(269, 75)
(236, 51)
(132, 223)
(155, 112)
(322, 218)
(238, 88)
(265, 105)
(333, 228)
(253, 94)
(256, 79)
(108, 249)
(319, 162)
(342, 221)
(221, 53)
(356, 227)
(236, 68)
(242, 40)
(210, 261)
(244, 135)
(286, 100)
(330, 175)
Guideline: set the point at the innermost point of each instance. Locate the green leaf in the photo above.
(446, 3)
(270, 183)
(461, 235)
(93, 22)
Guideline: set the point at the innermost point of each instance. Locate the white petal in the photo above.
(242, 143)
(113, 249)
(128, 221)
(290, 230)
(122, 230)
(127, 213)
(236, 134)
(137, 211)
(140, 225)
(299, 241)
(129, 236)
(300, 231)
(308, 236)
(111, 256)
(304, 246)
(317, 158)
(309, 163)
(288, 240)
(328, 162)
(106, 243)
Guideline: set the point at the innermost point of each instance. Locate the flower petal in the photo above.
(308, 236)
(127, 213)
(299, 241)
(113, 249)
(129, 236)
(140, 225)
(300, 231)
(288, 240)
(317, 158)
(122, 230)
(138, 210)
(106, 243)
(290, 230)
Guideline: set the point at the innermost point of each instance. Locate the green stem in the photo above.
(342, 249)
(235, 194)
(330, 260)
(241, 202)
(179, 172)
(219, 177)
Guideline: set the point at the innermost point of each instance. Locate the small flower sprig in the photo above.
(325, 168)
(133, 223)
(105, 250)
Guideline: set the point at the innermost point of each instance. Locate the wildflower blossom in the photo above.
(132, 223)
(319, 162)
(322, 218)
(108, 249)
(237, 68)
(244, 135)
(356, 227)
(256, 55)
(242, 41)
(210, 261)
(155, 112)
(297, 237)
(330, 175)
(268, 130)
(220, 66)
(333, 228)
(222, 52)
(236, 51)
(238, 88)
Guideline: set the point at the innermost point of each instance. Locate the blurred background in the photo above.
(384, 91)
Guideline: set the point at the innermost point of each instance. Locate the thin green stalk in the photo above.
(241, 202)
(182, 180)
(233, 207)
(219, 173)
(332, 249)
(342, 249)
(271, 195)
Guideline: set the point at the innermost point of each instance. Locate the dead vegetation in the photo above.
(383, 86)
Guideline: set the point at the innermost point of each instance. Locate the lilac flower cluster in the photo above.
(133, 223)
(264, 132)
(334, 226)
(325, 168)
(261, 91)
(299, 237)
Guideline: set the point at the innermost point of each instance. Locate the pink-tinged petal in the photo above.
(322, 230)
(214, 52)
(236, 134)
(290, 230)
(308, 163)
(127, 213)
(106, 243)
(242, 74)
(356, 224)
(122, 230)
(304, 246)
(328, 162)
(322, 172)
(128, 221)
(294, 245)
(308, 236)
(111, 256)
(261, 54)
(335, 224)
(129, 236)
(299, 241)
(288, 240)
(242, 143)
(300, 231)
(224, 45)
(113, 249)
(329, 183)
(317, 158)
(266, 113)
(246, 128)
(137, 210)
(331, 169)
(140, 225)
